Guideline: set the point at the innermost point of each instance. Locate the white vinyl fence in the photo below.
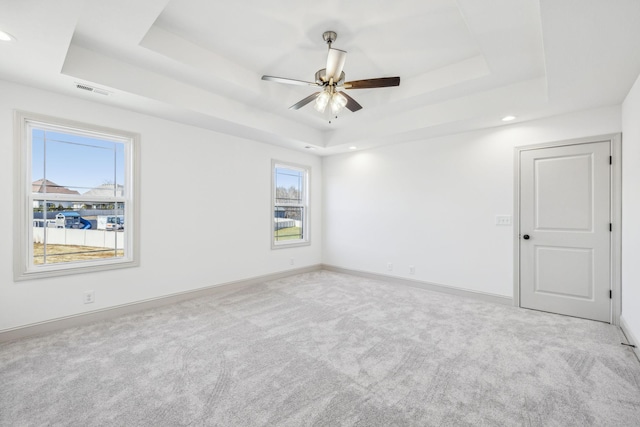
(286, 223)
(71, 236)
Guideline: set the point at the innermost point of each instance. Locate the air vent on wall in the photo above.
(92, 89)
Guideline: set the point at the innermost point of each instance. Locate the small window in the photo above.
(290, 205)
(77, 185)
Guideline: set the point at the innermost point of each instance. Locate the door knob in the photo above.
(525, 237)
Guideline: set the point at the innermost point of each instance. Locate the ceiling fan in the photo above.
(330, 79)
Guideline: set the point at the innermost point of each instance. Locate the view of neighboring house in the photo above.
(105, 190)
(46, 186)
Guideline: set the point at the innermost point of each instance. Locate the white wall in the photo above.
(192, 172)
(432, 204)
(631, 211)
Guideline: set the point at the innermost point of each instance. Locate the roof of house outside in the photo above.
(46, 186)
(106, 190)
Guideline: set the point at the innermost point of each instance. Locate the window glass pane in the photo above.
(71, 164)
(37, 160)
(119, 163)
(287, 223)
(80, 178)
(289, 185)
(65, 231)
(290, 205)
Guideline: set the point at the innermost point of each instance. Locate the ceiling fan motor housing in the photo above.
(321, 78)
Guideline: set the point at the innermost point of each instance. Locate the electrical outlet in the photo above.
(503, 219)
(389, 266)
(412, 269)
(291, 261)
(89, 297)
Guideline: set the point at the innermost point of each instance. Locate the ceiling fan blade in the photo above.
(372, 83)
(288, 81)
(335, 63)
(304, 102)
(352, 104)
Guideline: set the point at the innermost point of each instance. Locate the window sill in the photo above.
(65, 270)
(290, 244)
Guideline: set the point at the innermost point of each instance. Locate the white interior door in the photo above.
(565, 230)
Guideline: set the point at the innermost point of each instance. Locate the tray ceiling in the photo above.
(464, 64)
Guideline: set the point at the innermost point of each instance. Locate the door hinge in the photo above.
(610, 227)
(610, 160)
(610, 294)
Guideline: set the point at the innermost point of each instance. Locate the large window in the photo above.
(76, 201)
(290, 205)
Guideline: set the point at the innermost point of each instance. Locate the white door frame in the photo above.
(615, 141)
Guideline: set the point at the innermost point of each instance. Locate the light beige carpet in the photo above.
(324, 349)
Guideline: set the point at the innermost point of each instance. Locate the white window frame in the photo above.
(306, 235)
(24, 268)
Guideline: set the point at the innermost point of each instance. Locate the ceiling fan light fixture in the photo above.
(338, 102)
(322, 100)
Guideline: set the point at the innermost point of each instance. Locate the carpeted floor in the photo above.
(324, 349)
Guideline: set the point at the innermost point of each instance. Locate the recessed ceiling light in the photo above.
(508, 118)
(353, 148)
(6, 37)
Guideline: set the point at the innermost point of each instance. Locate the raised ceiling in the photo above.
(464, 64)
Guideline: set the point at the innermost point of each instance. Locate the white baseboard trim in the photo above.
(47, 326)
(483, 296)
(630, 337)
